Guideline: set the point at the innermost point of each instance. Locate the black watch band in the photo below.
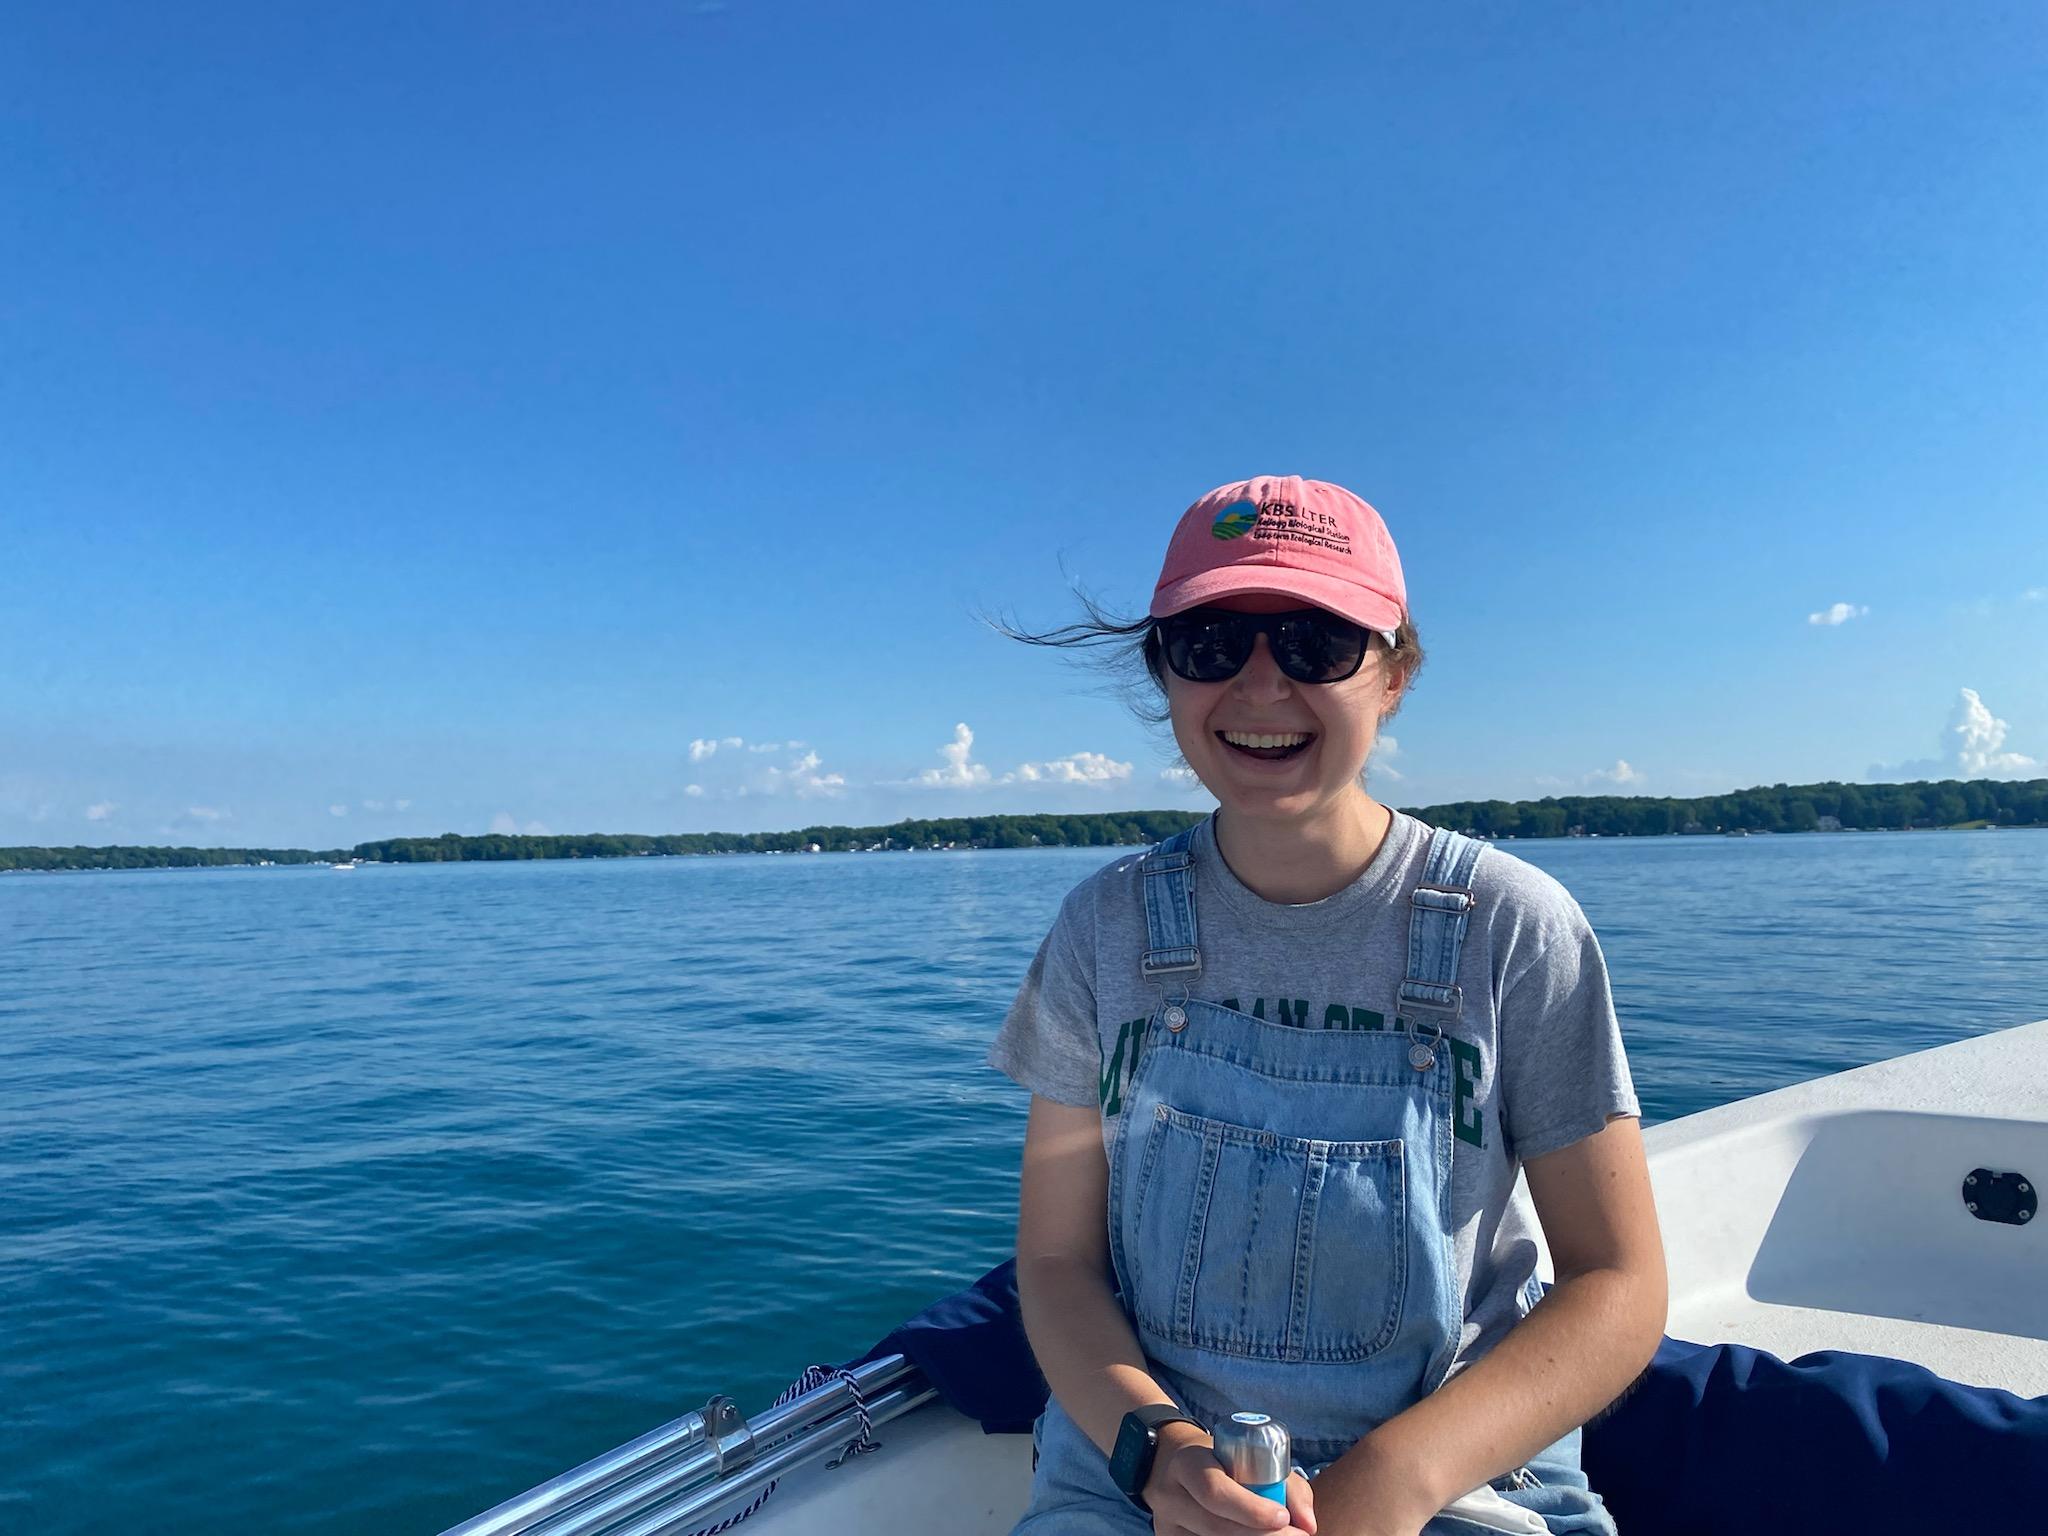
(1137, 1446)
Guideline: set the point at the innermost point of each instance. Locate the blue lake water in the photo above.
(345, 1202)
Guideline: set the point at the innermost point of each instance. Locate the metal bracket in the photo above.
(727, 1432)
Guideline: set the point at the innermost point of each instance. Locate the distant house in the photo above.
(1827, 824)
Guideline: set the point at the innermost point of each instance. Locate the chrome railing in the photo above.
(691, 1471)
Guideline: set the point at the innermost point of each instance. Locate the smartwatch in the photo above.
(1137, 1443)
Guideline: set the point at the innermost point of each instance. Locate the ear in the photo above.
(1393, 686)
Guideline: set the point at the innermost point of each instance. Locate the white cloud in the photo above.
(401, 805)
(101, 811)
(337, 810)
(1839, 613)
(1972, 747)
(504, 824)
(801, 775)
(1975, 739)
(706, 746)
(208, 813)
(2035, 595)
(1185, 778)
(960, 772)
(802, 779)
(373, 805)
(963, 772)
(1075, 768)
(1623, 772)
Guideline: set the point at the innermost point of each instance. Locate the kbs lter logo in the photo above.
(1235, 520)
(1282, 522)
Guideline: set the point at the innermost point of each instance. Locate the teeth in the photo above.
(1248, 739)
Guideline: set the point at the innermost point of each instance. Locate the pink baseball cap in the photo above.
(1285, 535)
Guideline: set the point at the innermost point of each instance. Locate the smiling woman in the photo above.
(1311, 1212)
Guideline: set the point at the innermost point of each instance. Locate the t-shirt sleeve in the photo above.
(1048, 1041)
(1564, 1073)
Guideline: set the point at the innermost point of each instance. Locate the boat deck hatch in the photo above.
(2006, 1197)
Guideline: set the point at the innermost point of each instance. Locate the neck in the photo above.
(1295, 859)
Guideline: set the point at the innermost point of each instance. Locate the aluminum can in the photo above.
(1256, 1451)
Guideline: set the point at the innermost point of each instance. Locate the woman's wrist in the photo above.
(1379, 1473)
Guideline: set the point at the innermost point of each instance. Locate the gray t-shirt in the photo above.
(1537, 1054)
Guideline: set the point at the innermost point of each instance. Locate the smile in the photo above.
(1270, 745)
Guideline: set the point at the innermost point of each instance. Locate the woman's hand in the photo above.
(1191, 1495)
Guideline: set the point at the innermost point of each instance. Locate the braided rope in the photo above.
(814, 1376)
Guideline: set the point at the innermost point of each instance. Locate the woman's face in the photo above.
(1341, 721)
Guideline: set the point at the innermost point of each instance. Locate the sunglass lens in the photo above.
(1206, 647)
(1319, 648)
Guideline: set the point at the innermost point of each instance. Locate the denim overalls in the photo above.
(1305, 1272)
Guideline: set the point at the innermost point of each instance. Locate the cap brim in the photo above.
(1361, 605)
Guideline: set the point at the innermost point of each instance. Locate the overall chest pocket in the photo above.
(1251, 1243)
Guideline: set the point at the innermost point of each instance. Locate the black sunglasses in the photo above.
(1210, 645)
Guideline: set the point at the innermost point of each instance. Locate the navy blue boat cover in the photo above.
(1715, 1440)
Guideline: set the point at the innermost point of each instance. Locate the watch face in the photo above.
(1130, 1463)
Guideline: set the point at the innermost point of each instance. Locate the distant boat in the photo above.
(342, 866)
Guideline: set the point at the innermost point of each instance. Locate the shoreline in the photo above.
(323, 861)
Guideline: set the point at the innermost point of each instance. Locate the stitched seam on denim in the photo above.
(1180, 903)
(1273, 1141)
(1155, 1134)
(1244, 1327)
(1305, 1256)
(1401, 1077)
(1198, 1231)
(1400, 1299)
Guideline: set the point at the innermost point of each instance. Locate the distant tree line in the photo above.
(1094, 830)
(1778, 808)
(157, 858)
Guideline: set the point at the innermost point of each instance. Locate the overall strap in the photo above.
(1439, 909)
(1168, 879)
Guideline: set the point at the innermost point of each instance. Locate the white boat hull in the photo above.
(1828, 1215)
(1832, 1215)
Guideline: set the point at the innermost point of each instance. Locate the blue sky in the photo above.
(430, 417)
